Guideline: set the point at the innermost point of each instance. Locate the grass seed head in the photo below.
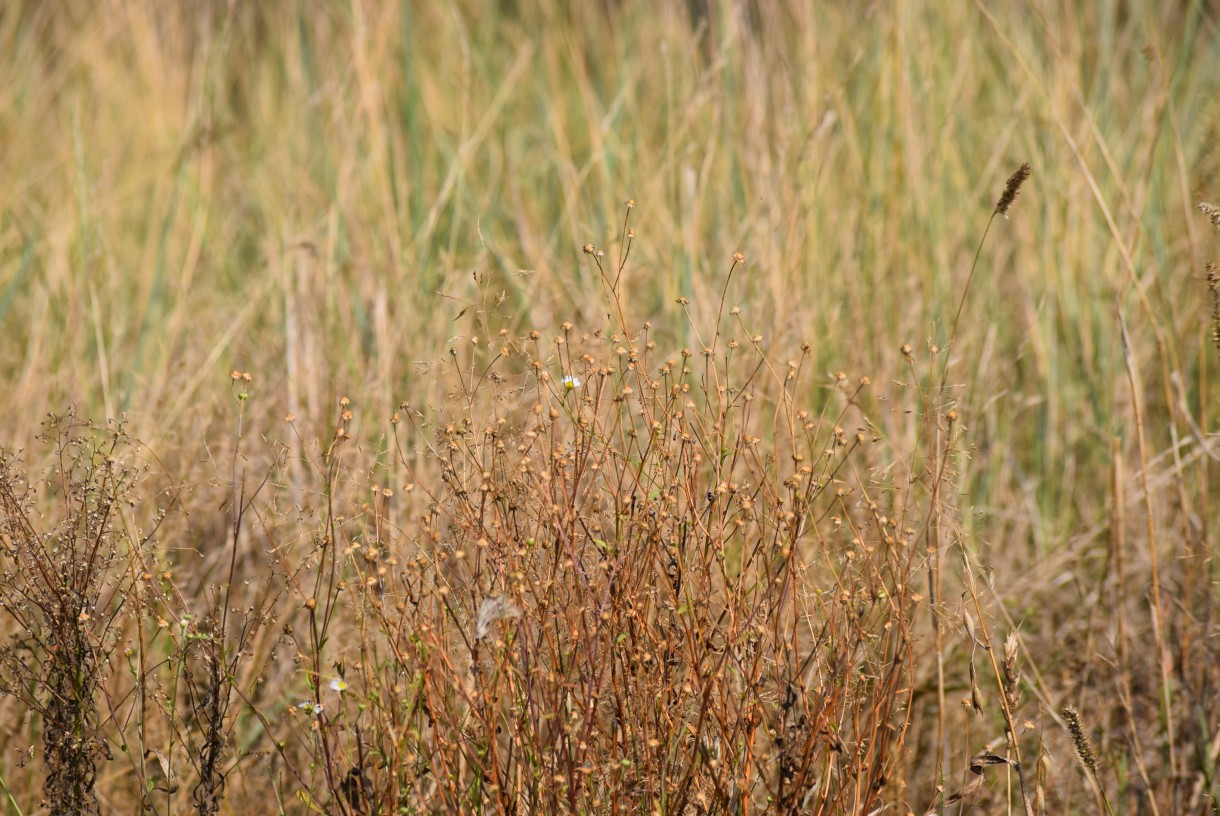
(1211, 211)
(1011, 189)
(1080, 740)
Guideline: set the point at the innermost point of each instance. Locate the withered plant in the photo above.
(66, 587)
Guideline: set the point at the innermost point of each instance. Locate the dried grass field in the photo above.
(525, 407)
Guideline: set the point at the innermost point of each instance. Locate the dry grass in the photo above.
(714, 575)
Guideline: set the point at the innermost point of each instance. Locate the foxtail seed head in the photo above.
(1012, 188)
(1084, 747)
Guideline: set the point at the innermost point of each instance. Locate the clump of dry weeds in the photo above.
(597, 577)
(615, 580)
(65, 586)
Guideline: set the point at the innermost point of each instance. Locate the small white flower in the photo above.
(571, 382)
(338, 685)
(310, 707)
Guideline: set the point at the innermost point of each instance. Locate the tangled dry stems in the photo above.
(597, 579)
(667, 584)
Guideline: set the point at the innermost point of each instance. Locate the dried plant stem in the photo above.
(1118, 546)
(1009, 723)
(938, 462)
(961, 303)
(1158, 629)
(1118, 551)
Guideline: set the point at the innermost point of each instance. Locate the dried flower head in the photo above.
(1011, 189)
(1010, 657)
(1211, 211)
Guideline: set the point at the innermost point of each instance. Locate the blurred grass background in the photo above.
(303, 190)
(333, 195)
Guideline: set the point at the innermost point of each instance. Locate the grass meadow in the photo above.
(706, 407)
